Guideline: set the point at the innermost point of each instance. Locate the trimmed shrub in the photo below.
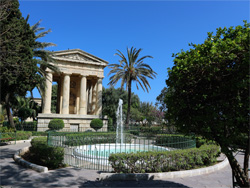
(96, 124)
(164, 161)
(175, 141)
(42, 154)
(35, 133)
(27, 126)
(150, 131)
(56, 124)
(88, 138)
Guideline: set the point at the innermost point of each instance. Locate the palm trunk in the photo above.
(7, 106)
(238, 173)
(129, 104)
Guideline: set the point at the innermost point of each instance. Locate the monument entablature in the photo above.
(79, 88)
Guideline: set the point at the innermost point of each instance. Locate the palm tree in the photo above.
(131, 69)
(42, 56)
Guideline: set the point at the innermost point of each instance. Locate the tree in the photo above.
(17, 66)
(131, 69)
(43, 57)
(25, 108)
(110, 98)
(160, 100)
(209, 93)
(148, 111)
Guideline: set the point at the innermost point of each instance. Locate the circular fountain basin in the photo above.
(99, 153)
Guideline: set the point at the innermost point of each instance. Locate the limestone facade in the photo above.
(79, 95)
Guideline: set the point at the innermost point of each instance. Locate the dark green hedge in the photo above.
(42, 154)
(150, 131)
(20, 135)
(175, 141)
(93, 138)
(165, 161)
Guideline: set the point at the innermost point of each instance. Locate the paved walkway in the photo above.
(13, 175)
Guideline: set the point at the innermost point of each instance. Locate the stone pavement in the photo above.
(13, 175)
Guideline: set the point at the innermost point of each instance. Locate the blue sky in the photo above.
(160, 28)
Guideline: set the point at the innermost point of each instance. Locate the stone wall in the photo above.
(73, 123)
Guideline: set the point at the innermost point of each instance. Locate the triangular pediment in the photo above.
(77, 55)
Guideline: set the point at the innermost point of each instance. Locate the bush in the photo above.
(110, 124)
(164, 161)
(1, 119)
(23, 135)
(7, 124)
(175, 141)
(20, 135)
(6, 130)
(35, 133)
(96, 124)
(42, 154)
(150, 131)
(87, 138)
(27, 126)
(56, 124)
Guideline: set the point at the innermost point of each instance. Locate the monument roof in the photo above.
(78, 56)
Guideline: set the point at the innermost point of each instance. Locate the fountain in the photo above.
(99, 153)
(119, 123)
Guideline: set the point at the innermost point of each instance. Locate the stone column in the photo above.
(93, 97)
(66, 92)
(90, 96)
(48, 93)
(61, 92)
(83, 96)
(99, 97)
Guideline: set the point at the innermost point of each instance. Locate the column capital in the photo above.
(100, 78)
(66, 73)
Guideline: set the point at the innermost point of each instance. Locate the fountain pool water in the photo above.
(99, 153)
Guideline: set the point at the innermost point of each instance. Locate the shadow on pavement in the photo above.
(149, 183)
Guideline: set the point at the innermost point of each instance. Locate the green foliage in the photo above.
(208, 92)
(96, 124)
(6, 129)
(131, 69)
(150, 131)
(111, 126)
(1, 119)
(110, 99)
(23, 135)
(18, 68)
(56, 124)
(208, 85)
(175, 141)
(27, 126)
(19, 135)
(45, 155)
(164, 161)
(88, 138)
(36, 133)
(160, 100)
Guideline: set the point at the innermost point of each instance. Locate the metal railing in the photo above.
(91, 150)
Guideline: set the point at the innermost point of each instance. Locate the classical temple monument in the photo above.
(79, 96)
